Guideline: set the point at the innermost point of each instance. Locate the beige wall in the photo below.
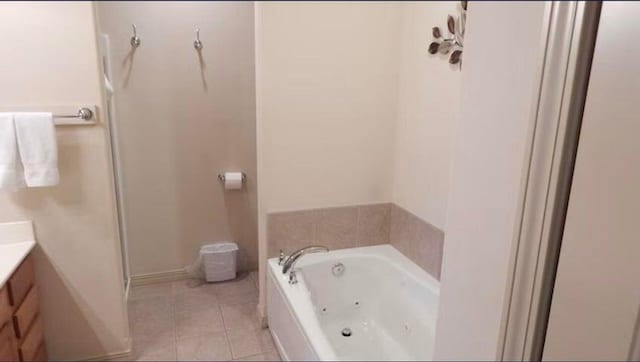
(49, 58)
(497, 99)
(181, 120)
(326, 88)
(351, 109)
(427, 113)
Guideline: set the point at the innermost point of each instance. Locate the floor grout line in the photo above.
(173, 293)
(224, 324)
(226, 332)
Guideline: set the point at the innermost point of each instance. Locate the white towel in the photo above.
(38, 149)
(11, 173)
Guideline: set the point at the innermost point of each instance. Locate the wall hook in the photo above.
(197, 43)
(135, 40)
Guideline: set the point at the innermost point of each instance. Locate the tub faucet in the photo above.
(290, 261)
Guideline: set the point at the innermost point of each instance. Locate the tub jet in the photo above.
(346, 332)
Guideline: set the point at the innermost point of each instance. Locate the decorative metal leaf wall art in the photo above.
(453, 43)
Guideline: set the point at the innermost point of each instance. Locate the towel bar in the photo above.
(84, 113)
(78, 115)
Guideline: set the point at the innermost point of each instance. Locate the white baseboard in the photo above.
(264, 323)
(160, 277)
(114, 355)
(279, 348)
(111, 356)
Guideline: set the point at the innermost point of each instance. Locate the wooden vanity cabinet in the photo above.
(21, 336)
(8, 347)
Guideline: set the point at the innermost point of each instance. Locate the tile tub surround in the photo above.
(336, 227)
(354, 226)
(417, 239)
(190, 320)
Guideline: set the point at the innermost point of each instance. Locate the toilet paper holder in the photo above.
(222, 178)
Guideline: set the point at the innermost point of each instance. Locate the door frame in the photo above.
(568, 41)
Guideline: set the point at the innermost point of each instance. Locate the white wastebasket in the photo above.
(219, 260)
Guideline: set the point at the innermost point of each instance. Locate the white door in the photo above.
(596, 299)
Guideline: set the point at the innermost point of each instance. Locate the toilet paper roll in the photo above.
(232, 180)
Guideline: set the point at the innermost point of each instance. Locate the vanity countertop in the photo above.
(16, 242)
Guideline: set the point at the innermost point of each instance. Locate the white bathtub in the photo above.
(389, 304)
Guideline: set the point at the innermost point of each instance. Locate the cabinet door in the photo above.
(8, 350)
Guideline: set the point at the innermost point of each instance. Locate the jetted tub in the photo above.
(369, 303)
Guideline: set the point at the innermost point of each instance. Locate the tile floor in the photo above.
(192, 321)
